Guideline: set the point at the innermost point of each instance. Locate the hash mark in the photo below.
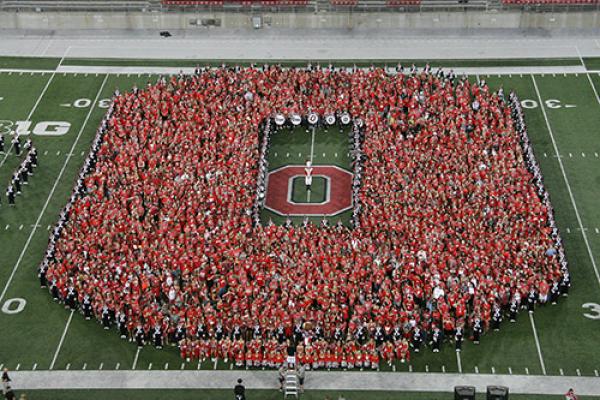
(493, 370)
(275, 154)
(426, 367)
(597, 231)
(476, 369)
(583, 155)
(46, 153)
(34, 367)
(198, 365)
(231, 366)
(118, 366)
(578, 372)
(68, 367)
(444, 369)
(410, 368)
(18, 367)
(527, 370)
(100, 366)
(509, 370)
(166, 365)
(82, 153)
(58, 153)
(49, 226)
(323, 155)
(21, 227)
(84, 366)
(568, 230)
(596, 372)
(562, 373)
(150, 366)
(595, 154)
(570, 155)
(182, 365)
(6, 227)
(299, 154)
(335, 155)
(287, 154)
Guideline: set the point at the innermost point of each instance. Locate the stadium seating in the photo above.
(402, 3)
(551, 2)
(243, 3)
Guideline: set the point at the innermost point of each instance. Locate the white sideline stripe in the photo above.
(458, 362)
(135, 359)
(323, 380)
(116, 70)
(537, 344)
(564, 174)
(62, 339)
(39, 218)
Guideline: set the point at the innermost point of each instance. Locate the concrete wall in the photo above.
(176, 21)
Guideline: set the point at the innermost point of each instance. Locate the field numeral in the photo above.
(8, 308)
(85, 103)
(550, 103)
(594, 309)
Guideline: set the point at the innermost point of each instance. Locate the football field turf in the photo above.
(563, 117)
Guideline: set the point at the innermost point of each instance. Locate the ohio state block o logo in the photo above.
(338, 196)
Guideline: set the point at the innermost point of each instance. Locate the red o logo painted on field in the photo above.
(279, 185)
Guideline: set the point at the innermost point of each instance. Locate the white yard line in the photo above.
(537, 344)
(135, 359)
(588, 75)
(564, 174)
(62, 171)
(458, 362)
(312, 150)
(34, 106)
(62, 339)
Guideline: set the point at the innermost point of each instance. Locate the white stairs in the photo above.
(291, 387)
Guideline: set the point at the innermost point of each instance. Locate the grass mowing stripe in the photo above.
(537, 344)
(62, 339)
(39, 218)
(562, 169)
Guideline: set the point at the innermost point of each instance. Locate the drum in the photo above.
(279, 119)
(313, 118)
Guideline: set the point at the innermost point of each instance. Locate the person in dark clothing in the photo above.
(239, 390)
(9, 394)
(16, 142)
(458, 338)
(514, 309)
(10, 193)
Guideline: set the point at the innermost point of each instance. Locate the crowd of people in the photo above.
(21, 174)
(453, 228)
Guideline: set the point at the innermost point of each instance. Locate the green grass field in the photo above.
(44, 335)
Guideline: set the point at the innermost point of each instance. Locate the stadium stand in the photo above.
(160, 234)
(551, 2)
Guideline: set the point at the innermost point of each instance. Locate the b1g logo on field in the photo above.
(330, 194)
(42, 128)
